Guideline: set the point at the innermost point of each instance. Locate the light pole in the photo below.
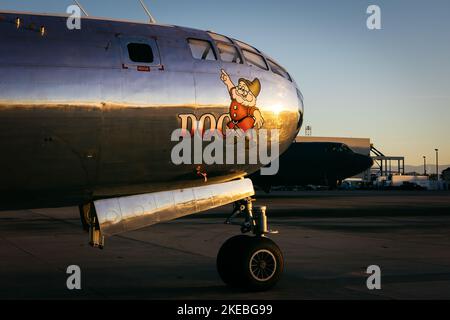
(424, 165)
(437, 164)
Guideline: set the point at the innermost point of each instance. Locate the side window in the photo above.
(201, 50)
(254, 59)
(277, 69)
(140, 52)
(229, 53)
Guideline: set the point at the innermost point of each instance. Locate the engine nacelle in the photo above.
(118, 215)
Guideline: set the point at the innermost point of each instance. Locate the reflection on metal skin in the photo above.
(80, 122)
(123, 214)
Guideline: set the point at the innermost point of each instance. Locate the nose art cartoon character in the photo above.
(244, 114)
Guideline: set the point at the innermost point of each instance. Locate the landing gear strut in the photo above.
(90, 224)
(252, 263)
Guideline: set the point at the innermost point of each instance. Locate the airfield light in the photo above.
(424, 165)
(437, 164)
(18, 23)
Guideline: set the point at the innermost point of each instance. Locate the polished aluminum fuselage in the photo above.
(77, 122)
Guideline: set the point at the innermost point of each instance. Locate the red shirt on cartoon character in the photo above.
(244, 114)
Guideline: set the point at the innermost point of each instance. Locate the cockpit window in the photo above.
(339, 148)
(332, 148)
(279, 70)
(254, 59)
(140, 52)
(346, 149)
(245, 46)
(229, 53)
(219, 37)
(227, 50)
(202, 50)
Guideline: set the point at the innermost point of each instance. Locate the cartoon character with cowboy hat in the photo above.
(244, 114)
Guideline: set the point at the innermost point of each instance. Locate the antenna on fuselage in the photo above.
(150, 17)
(81, 8)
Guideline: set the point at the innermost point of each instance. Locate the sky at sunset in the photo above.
(391, 85)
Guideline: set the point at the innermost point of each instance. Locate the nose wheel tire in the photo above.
(250, 263)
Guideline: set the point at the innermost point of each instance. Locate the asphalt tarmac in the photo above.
(328, 240)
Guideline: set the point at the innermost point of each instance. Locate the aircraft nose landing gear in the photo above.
(253, 263)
